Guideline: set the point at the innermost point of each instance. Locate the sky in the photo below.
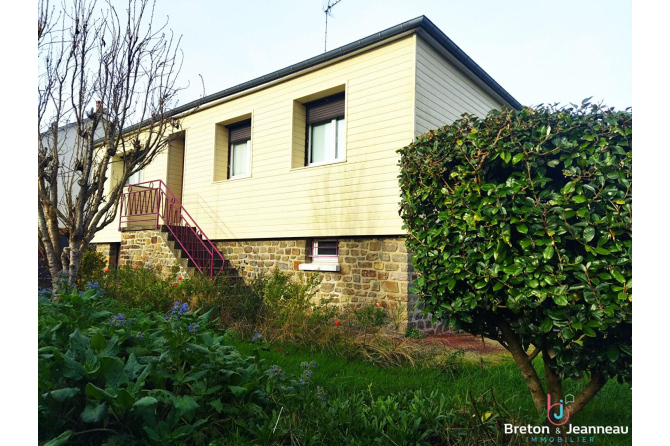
(539, 51)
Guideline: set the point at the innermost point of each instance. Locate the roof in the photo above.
(420, 24)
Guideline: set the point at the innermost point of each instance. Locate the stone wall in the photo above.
(110, 252)
(149, 248)
(372, 270)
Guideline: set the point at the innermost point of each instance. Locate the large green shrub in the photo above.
(520, 226)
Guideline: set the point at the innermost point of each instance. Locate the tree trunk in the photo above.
(554, 390)
(75, 264)
(596, 383)
(525, 365)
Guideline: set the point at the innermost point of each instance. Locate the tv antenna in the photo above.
(328, 10)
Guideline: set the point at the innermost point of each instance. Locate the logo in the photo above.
(555, 418)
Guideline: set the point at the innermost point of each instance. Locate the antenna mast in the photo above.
(327, 10)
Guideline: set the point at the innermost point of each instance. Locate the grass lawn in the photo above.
(340, 377)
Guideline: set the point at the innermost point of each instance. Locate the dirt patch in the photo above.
(469, 343)
(476, 350)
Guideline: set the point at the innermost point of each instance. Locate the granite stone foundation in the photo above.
(372, 270)
(150, 248)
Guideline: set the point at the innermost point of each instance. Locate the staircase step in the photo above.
(218, 263)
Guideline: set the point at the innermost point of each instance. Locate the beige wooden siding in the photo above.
(157, 170)
(444, 93)
(282, 198)
(392, 93)
(175, 164)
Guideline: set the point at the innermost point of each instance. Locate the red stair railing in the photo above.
(152, 202)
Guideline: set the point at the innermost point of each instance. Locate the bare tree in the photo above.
(106, 86)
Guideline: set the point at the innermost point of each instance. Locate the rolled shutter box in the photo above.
(240, 131)
(325, 109)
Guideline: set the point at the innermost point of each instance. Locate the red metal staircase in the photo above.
(151, 204)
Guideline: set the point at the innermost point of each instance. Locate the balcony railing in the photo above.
(152, 204)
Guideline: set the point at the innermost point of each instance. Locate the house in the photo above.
(69, 147)
(297, 170)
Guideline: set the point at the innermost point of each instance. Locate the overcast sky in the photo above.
(539, 51)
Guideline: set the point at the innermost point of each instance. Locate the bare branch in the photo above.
(106, 86)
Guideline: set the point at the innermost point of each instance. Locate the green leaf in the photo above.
(589, 233)
(124, 400)
(588, 331)
(506, 156)
(72, 369)
(61, 395)
(546, 325)
(61, 439)
(152, 434)
(451, 284)
(548, 252)
(98, 342)
(133, 368)
(78, 342)
(579, 198)
(186, 405)
(513, 270)
(96, 392)
(112, 369)
(94, 414)
(518, 157)
(612, 353)
(561, 300)
(522, 228)
(146, 401)
(217, 405)
(569, 187)
(238, 391)
(618, 276)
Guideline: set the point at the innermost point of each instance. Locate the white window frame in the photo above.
(323, 262)
(334, 141)
(247, 174)
(140, 177)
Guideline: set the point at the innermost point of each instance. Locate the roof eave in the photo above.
(421, 22)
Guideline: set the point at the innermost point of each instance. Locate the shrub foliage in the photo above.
(521, 229)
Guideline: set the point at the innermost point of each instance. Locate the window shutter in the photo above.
(240, 131)
(324, 109)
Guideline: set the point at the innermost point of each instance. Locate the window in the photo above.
(135, 178)
(324, 256)
(325, 130)
(239, 154)
(324, 250)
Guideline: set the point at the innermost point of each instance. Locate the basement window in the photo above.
(324, 256)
